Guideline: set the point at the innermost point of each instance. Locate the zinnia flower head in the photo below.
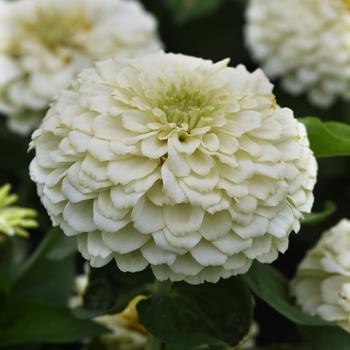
(322, 282)
(306, 43)
(174, 162)
(14, 221)
(45, 43)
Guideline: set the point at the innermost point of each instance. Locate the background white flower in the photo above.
(306, 43)
(322, 282)
(249, 342)
(45, 43)
(174, 162)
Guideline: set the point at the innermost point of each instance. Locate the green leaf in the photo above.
(13, 251)
(186, 10)
(64, 247)
(23, 321)
(110, 290)
(186, 316)
(326, 338)
(317, 218)
(286, 347)
(5, 287)
(272, 287)
(6, 256)
(328, 139)
(45, 279)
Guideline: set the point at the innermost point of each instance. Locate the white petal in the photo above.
(106, 207)
(82, 246)
(156, 194)
(136, 121)
(125, 240)
(157, 256)
(281, 225)
(100, 149)
(109, 128)
(216, 225)
(202, 183)
(211, 274)
(188, 145)
(142, 185)
(123, 200)
(200, 163)
(185, 242)
(269, 130)
(332, 313)
(210, 142)
(257, 227)
(73, 194)
(268, 257)
(201, 199)
(154, 148)
(228, 143)
(131, 262)
(106, 224)
(54, 194)
(79, 216)
(177, 162)
(79, 140)
(183, 218)
(170, 185)
(207, 255)
(161, 241)
(163, 273)
(236, 262)
(95, 246)
(68, 230)
(37, 173)
(98, 262)
(246, 204)
(260, 246)
(232, 244)
(126, 170)
(186, 265)
(147, 217)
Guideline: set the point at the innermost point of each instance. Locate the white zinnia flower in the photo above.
(45, 43)
(322, 282)
(174, 162)
(306, 43)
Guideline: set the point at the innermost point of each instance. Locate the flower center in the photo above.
(347, 3)
(55, 29)
(185, 106)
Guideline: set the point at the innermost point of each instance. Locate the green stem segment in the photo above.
(162, 287)
(153, 343)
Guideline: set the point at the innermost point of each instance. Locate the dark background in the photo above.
(215, 36)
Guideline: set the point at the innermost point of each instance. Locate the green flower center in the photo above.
(55, 29)
(185, 106)
(347, 3)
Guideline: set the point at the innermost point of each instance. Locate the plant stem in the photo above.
(162, 287)
(153, 343)
(159, 288)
